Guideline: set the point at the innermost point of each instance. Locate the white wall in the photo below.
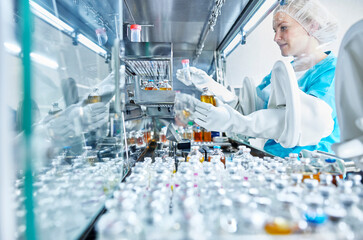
(256, 58)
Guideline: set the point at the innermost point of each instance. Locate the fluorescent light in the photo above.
(83, 86)
(91, 45)
(233, 44)
(259, 14)
(50, 18)
(15, 49)
(12, 48)
(44, 60)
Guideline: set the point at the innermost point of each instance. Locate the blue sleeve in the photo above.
(323, 85)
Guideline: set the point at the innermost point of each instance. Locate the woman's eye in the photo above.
(283, 28)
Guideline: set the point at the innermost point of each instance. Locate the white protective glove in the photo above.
(64, 127)
(200, 79)
(348, 96)
(106, 89)
(94, 115)
(184, 107)
(283, 123)
(210, 117)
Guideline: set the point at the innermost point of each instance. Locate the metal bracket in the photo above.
(243, 37)
(216, 11)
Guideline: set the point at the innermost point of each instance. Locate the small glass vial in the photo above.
(189, 131)
(207, 97)
(151, 85)
(195, 153)
(165, 86)
(91, 156)
(186, 70)
(307, 170)
(217, 152)
(207, 135)
(55, 109)
(139, 138)
(135, 33)
(132, 139)
(198, 134)
(332, 168)
(94, 96)
(101, 36)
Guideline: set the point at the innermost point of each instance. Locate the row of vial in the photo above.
(196, 133)
(150, 84)
(248, 195)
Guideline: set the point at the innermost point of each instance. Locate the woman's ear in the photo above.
(314, 26)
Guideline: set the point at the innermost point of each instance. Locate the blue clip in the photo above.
(243, 37)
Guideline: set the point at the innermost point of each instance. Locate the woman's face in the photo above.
(291, 37)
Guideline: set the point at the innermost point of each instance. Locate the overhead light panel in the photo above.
(49, 17)
(12, 48)
(44, 60)
(233, 44)
(260, 15)
(91, 45)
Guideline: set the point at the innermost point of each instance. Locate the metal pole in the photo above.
(26, 25)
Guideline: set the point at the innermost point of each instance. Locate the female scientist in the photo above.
(302, 28)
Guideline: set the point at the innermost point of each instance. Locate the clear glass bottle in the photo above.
(165, 86)
(139, 138)
(186, 70)
(293, 163)
(163, 135)
(285, 217)
(151, 85)
(207, 97)
(316, 162)
(94, 96)
(55, 109)
(195, 152)
(217, 152)
(90, 155)
(307, 170)
(332, 168)
(189, 131)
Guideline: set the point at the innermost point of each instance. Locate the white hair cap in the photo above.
(314, 17)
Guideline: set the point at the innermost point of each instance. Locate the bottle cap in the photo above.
(330, 160)
(100, 30)
(135, 27)
(185, 61)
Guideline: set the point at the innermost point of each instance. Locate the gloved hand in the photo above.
(93, 115)
(184, 107)
(73, 121)
(210, 117)
(65, 127)
(293, 118)
(200, 79)
(106, 89)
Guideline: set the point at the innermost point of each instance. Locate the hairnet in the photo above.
(312, 16)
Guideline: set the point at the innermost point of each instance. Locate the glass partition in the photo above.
(61, 146)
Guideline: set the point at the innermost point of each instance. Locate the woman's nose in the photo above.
(277, 37)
